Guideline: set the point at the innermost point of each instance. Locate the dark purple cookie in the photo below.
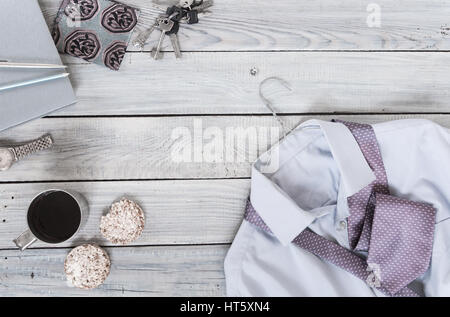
(83, 44)
(114, 54)
(81, 9)
(119, 18)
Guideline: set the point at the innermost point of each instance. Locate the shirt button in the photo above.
(342, 225)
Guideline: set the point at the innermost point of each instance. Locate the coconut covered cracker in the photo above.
(124, 223)
(87, 266)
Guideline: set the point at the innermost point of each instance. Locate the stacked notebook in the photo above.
(25, 38)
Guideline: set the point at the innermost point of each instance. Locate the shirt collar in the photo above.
(279, 211)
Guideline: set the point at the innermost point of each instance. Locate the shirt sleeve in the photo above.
(437, 279)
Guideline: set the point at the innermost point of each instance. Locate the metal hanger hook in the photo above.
(268, 103)
(280, 80)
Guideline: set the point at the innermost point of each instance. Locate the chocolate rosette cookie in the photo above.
(81, 9)
(119, 18)
(83, 44)
(114, 55)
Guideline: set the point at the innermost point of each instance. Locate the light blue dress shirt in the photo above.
(304, 181)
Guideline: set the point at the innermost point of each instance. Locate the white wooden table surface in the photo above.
(116, 141)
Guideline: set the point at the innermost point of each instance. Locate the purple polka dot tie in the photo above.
(397, 233)
(362, 204)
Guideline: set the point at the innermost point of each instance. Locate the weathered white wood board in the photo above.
(249, 25)
(221, 83)
(177, 212)
(141, 148)
(135, 271)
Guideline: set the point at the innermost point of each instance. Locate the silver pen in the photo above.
(33, 81)
(8, 64)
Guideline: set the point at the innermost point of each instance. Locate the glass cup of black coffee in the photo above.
(54, 216)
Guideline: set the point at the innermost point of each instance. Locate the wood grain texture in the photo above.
(253, 25)
(135, 271)
(177, 212)
(221, 83)
(141, 148)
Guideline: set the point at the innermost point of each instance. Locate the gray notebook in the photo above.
(25, 37)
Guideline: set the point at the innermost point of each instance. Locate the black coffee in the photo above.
(54, 217)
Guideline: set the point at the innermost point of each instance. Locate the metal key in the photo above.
(164, 25)
(174, 37)
(192, 16)
(142, 38)
(205, 4)
(175, 44)
(186, 4)
(176, 13)
(198, 9)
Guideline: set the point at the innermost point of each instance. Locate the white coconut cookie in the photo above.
(124, 223)
(87, 266)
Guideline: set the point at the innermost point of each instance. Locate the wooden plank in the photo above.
(236, 25)
(140, 148)
(135, 271)
(177, 212)
(221, 83)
